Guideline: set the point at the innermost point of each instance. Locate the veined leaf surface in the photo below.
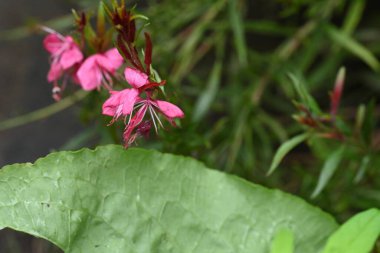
(124, 201)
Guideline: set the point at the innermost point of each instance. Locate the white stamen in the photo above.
(154, 121)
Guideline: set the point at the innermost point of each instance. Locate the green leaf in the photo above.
(357, 235)
(304, 94)
(139, 16)
(354, 15)
(359, 118)
(328, 170)
(100, 25)
(368, 123)
(237, 26)
(283, 242)
(362, 168)
(90, 35)
(285, 148)
(351, 45)
(122, 201)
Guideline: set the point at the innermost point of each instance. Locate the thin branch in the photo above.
(43, 112)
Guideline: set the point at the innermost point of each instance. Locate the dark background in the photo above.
(23, 66)
(23, 88)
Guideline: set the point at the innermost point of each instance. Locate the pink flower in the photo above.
(125, 102)
(337, 92)
(153, 107)
(64, 52)
(98, 69)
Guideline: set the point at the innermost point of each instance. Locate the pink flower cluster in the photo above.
(67, 60)
(130, 104)
(137, 105)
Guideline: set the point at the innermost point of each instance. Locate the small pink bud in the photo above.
(337, 92)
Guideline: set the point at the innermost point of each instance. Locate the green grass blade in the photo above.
(204, 102)
(238, 31)
(362, 168)
(353, 16)
(353, 46)
(284, 149)
(328, 170)
(304, 94)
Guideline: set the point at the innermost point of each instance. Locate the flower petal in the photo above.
(115, 58)
(55, 72)
(170, 110)
(70, 57)
(104, 63)
(120, 103)
(52, 43)
(129, 98)
(89, 74)
(135, 77)
(110, 60)
(110, 105)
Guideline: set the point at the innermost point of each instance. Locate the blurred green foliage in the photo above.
(228, 64)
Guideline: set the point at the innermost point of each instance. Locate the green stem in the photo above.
(43, 112)
(29, 29)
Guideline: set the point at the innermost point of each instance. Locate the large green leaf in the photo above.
(113, 200)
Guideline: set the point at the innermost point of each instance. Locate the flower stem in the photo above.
(43, 112)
